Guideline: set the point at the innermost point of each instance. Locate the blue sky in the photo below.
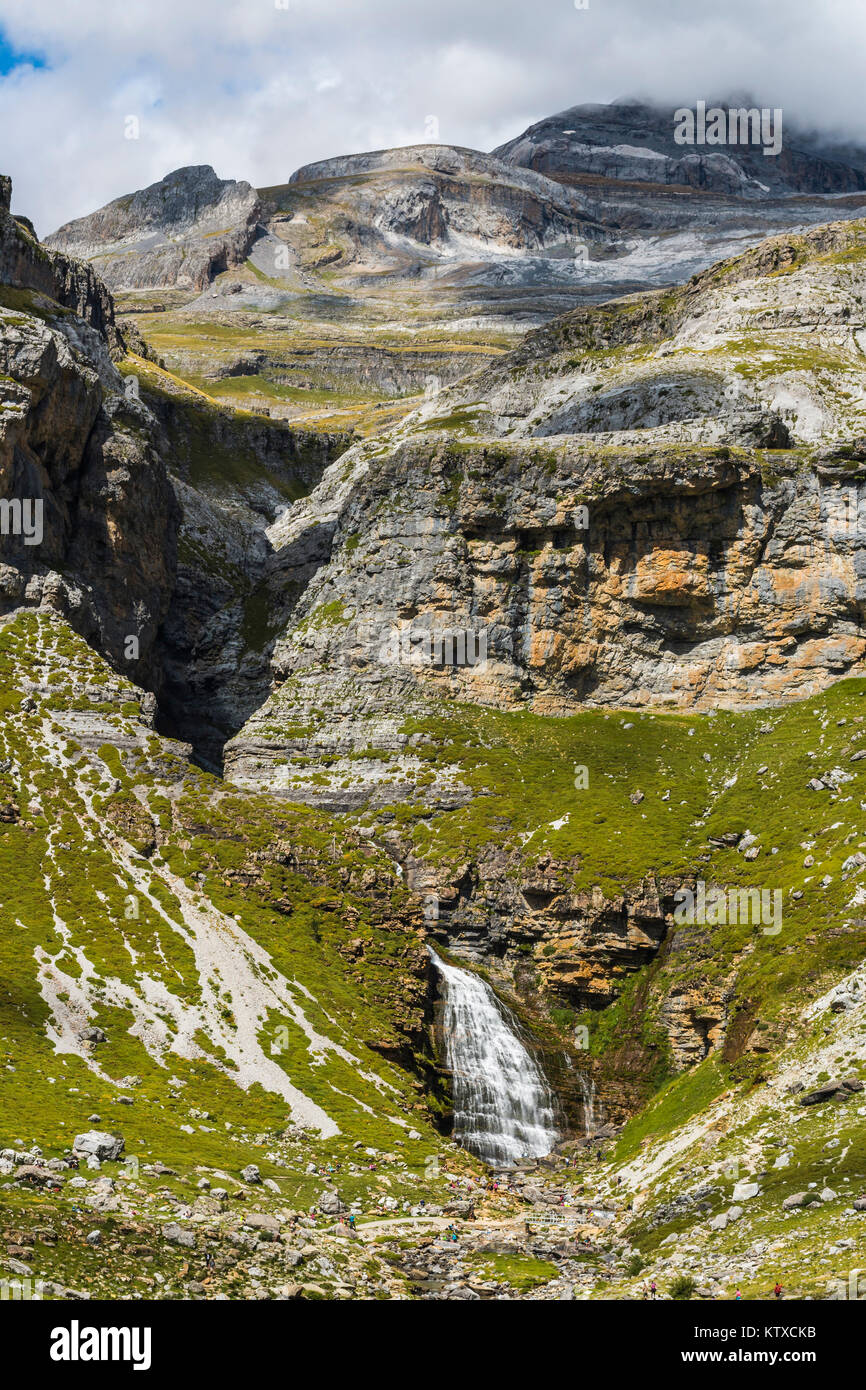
(258, 87)
(11, 58)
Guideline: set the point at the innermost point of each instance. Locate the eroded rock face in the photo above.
(634, 141)
(25, 265)
(81, 455)
(180, 231)
(436, 194)
(699, 581)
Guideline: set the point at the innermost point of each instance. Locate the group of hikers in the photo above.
(650, 1290)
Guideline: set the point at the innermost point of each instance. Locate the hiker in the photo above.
(653, 1289)
(777, 1291)
(737, 1296)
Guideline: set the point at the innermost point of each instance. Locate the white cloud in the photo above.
(257, 90)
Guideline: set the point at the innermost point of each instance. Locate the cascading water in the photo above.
(587, 1086)
(503, 1107)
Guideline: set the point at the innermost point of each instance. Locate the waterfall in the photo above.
(587, 1087)
(503, 1107)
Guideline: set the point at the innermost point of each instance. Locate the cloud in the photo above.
(258, 87)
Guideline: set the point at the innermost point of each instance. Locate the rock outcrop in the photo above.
(440, 196)
(96, 540)
(25, 265)
(181, 231)
(633, 141)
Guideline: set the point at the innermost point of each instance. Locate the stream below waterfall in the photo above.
(503, 1106)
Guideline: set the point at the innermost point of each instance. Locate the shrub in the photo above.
(683, 1287)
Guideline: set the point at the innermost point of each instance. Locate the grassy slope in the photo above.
(68, 873)
(522, 769)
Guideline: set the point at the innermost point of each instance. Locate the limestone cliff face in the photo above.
(181, 231)
(26, 265)
(436, 194)
(701, 578)
(657, 502)
(75, 443)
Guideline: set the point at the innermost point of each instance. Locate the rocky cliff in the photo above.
(618, 560)
(25, 265)
(81, 451)
(535, 560)
(180, 231)
(634, 141)
(445, 197)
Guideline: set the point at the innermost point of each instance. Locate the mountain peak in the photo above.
(187, 227)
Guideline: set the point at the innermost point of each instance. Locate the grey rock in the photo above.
(36, 1176)
(268, 1226)
(833, 1090)
(176, 1234)
(179, 231)
(99, 1144)
(331, 1203)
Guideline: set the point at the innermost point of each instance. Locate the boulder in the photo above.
(743, 1191)
(36, 1176)
(796, 1199)
(465, 1210)
(176, 1234)
(331, 1203)
(832, 1090)
(268, 1226)
(97, 1143)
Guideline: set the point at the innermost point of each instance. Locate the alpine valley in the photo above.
(433, 743)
